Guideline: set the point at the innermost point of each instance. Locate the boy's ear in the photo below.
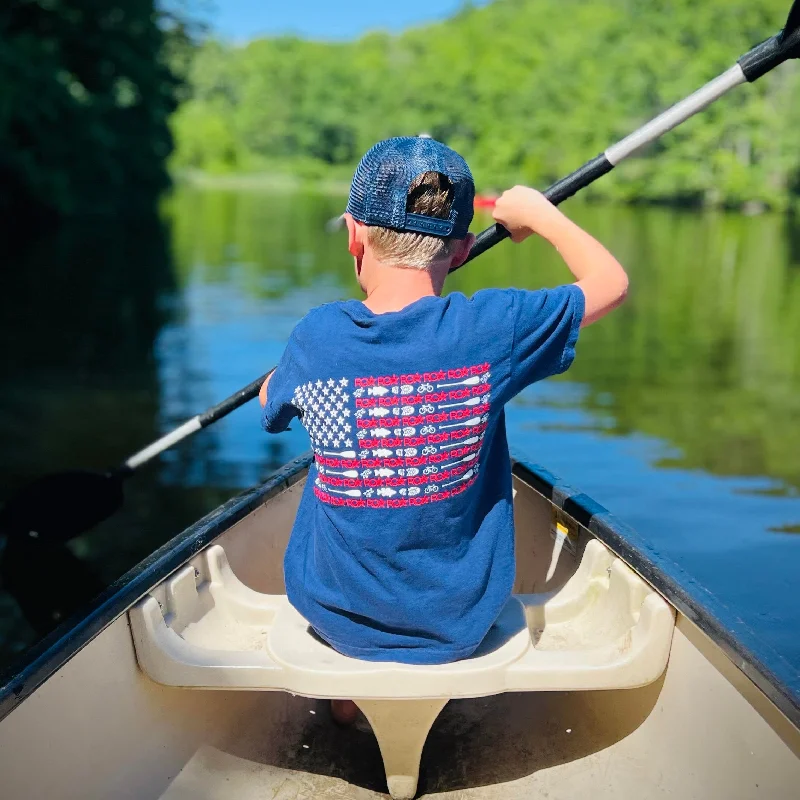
(355, 236)
(462, 251)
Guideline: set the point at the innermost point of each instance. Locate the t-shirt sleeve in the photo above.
(281, 409)
(545, 325)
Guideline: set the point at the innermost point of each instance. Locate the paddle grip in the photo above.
(592, 170)
(556, 194)
(233, 402)
(769, 54)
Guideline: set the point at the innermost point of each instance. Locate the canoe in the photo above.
(611, 676)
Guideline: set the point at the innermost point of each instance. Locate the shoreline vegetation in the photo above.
(102, 110)
(526, 90)
(338, 184)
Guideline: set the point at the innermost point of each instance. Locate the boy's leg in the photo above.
(344, 712)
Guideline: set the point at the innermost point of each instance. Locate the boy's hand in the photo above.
(262, 395)
(523, 211)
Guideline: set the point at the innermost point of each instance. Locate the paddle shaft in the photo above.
(757, 62)
(193, 425)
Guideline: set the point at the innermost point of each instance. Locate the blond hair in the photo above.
(431, 194)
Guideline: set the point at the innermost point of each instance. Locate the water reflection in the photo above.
(679, 413)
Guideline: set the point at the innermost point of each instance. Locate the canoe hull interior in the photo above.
(99, 728)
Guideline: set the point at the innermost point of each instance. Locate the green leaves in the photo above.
(86, 97)
(527, 90)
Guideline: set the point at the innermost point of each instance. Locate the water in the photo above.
(681, 413)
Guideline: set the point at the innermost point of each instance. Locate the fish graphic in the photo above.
(377, 391)
(385, 491)
(382, 433)
(379, 412)
(382, 453)
(384, 473)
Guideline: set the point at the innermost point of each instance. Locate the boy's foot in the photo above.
(344, 712)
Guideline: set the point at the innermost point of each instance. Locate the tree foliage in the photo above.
(85, 95)
(526, 89)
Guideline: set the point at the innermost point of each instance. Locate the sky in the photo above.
(323, 19)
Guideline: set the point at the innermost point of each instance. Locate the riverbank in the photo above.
(261, 181)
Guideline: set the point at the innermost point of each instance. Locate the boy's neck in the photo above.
(395, 288)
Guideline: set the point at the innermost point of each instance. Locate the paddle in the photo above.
(61, 506)
(749, 68)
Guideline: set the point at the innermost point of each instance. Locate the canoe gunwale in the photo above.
(66, 641)
(776, 680)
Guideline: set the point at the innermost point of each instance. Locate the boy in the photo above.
(403, 545)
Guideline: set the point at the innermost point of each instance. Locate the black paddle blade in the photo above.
(790, 36)
(793, 20)
(763, 58)
(59, 507)
(49, 583)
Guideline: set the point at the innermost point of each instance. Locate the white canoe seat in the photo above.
(203, 628)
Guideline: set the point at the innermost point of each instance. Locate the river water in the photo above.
(681, 413)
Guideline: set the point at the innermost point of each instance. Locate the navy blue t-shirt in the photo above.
(403, 545)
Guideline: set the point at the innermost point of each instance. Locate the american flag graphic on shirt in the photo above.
(394, 441)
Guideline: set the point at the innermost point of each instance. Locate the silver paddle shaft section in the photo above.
(676, 115)
(164, 443)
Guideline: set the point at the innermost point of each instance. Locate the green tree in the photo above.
(85, 96)
(526, 89)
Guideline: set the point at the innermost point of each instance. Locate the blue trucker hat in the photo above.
(380, 186)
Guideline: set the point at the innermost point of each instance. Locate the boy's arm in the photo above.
(523, 211)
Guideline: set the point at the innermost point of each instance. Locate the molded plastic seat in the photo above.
(605, 629)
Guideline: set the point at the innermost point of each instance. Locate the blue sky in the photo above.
(323, 19)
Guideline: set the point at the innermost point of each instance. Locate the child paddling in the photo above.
(403, 545)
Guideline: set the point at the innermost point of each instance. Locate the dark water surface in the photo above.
(681, 413)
